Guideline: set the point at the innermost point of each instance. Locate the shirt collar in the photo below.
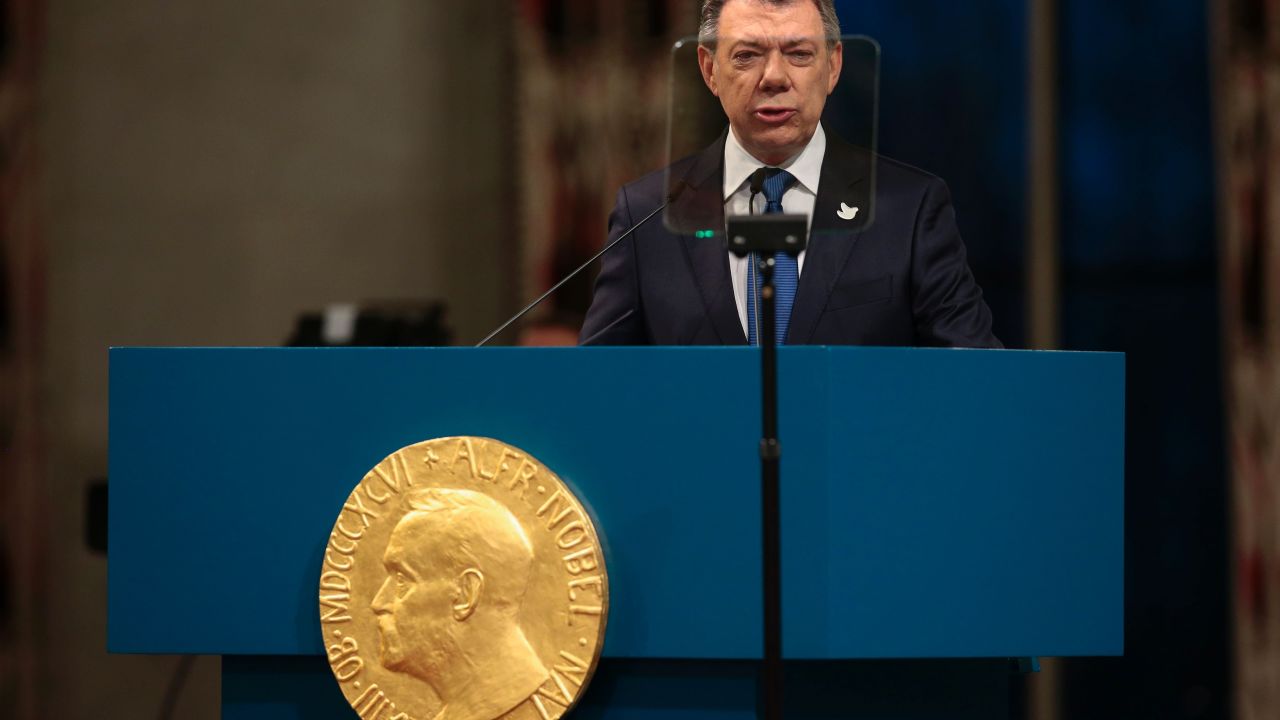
(805, 167)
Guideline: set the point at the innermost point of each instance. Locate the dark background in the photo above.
(1138, 273)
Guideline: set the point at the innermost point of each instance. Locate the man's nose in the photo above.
(380, 603)
(775, 75)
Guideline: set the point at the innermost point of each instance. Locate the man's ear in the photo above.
(707, 64)
(470, 583)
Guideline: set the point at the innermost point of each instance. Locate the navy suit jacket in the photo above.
(903, 280)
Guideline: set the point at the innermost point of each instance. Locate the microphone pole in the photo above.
(671, 197)
(761, 238)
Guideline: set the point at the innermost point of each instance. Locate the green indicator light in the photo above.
(704, 234)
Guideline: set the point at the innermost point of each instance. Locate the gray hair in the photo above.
(710, 26)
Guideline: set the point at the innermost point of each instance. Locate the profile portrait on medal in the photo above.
(457, 567)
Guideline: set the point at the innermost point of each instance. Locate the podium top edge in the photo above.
(599, 349)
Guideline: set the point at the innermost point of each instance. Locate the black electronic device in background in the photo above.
(391, 324)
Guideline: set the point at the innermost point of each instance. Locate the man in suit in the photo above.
(903, 280)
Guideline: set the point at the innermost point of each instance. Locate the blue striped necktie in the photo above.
(786, 272)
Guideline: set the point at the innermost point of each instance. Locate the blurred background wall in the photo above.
(1247, 90)
(207, 173)
(210, 172)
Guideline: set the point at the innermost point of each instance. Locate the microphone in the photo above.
(676, 190)
(757, 186)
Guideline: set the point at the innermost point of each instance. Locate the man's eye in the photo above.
(744, 57)
(802, 56)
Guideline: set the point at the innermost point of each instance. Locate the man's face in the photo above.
(772, 70)
(413, 605)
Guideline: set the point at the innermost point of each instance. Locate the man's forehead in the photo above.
(770, 30)
(767, 40)
(411, 532)
(800, 15)
(394, 552)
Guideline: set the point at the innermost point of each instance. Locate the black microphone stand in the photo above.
(763, 236)
(770, 502)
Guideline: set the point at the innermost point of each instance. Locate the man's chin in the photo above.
(775, 145)
(395, 663)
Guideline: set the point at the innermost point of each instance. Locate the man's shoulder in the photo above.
(891, 172)
(652, 183)
(697, 174)
(651, 190)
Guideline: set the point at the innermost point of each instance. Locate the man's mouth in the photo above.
(774, 115)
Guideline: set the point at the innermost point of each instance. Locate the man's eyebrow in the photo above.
(758, 43)
(395, 563)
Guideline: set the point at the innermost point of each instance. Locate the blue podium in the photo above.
(943, 511)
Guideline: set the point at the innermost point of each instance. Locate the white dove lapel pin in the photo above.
(846, 213)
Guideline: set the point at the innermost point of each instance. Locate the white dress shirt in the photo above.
(798, 199)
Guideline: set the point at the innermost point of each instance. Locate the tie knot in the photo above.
(776, 182)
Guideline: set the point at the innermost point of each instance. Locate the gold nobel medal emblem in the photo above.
(462, 581)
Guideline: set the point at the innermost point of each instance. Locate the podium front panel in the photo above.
(961, 504)
(935, 503)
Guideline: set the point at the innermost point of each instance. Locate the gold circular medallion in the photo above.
(462, 581)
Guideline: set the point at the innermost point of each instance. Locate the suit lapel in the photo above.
(845, 179)
(701, 206)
